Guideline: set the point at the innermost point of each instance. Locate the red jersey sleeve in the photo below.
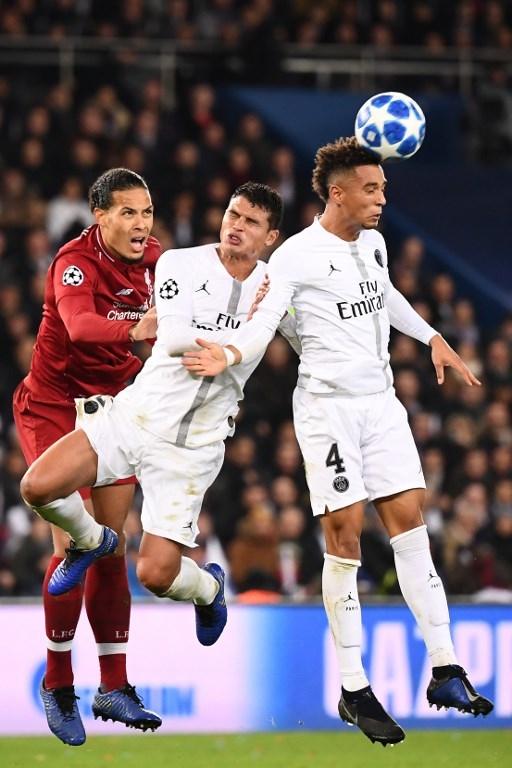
(75, 279)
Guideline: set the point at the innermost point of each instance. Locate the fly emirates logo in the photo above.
(371, 301)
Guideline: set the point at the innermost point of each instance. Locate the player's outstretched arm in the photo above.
(211, 359)
(443, 356)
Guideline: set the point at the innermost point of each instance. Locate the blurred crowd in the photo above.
(249, 24)
(57, 139)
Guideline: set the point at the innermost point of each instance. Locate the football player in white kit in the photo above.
(352, 430)
(168, 427)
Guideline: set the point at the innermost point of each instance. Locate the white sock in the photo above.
(424, 593)
(71, 515)
(341, 601)
(193, 583)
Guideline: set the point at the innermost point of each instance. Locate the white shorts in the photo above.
(173, 479)
(355, 448)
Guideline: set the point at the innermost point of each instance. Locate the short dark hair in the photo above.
(344, 154)
(114, 180)
(264, 197)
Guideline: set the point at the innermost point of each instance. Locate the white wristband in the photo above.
(230, 356)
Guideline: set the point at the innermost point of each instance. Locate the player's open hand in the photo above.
(443, 356)
(260, 294)
(210, 360)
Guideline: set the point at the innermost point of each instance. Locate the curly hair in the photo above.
(341, 155)
(113, 180)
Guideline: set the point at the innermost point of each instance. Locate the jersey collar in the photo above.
(101, 245)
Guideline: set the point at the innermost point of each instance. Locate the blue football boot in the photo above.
(63, 715)
(211, 619)
(72, 569)
(123, 705)
(450, 687)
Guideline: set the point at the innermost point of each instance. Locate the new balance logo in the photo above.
(204, 288)
(333, 269)
(124, 292)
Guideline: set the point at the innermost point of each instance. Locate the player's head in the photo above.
(121, 204)
(252, 219)
(349, 177)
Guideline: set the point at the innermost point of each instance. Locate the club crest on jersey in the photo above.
(72, 276)
(378, 258)
(169, 289)
(340, 483)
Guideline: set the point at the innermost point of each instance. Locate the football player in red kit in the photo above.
(97, 302)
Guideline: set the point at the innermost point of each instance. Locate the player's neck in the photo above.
(346, 230)
(237, 265)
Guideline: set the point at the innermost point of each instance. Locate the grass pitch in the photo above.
(327, 749)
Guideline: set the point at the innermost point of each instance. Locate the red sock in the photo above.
(61, 616)
(107, 600)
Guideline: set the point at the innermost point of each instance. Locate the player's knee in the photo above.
(33, 488)
(344, 544)
(152, 576)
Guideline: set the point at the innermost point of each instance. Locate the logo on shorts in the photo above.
(340, 483)
(72, 276)
(169, 289)
(378, 258)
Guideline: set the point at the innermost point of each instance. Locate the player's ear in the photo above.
(98, 214)
(336, 193)
(271, 237)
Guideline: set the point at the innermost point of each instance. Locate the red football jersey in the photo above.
(91, 300)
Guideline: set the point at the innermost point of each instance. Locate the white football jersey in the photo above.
(338, 291)
(193, 288)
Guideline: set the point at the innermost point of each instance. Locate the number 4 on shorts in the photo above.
(334, 459)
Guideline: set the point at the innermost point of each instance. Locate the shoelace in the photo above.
(65, 698)
(129, 690)
(72, 553)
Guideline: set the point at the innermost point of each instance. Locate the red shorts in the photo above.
(41, 423)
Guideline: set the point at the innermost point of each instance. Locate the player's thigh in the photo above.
(65, 466)
(116, 440)
(328, 431)
(391, 463)
(173, 481)
(402, 511)
(342, 531)
(39, 424)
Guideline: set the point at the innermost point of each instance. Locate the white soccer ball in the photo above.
(391, 124)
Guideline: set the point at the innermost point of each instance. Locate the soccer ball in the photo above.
(390, 124)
